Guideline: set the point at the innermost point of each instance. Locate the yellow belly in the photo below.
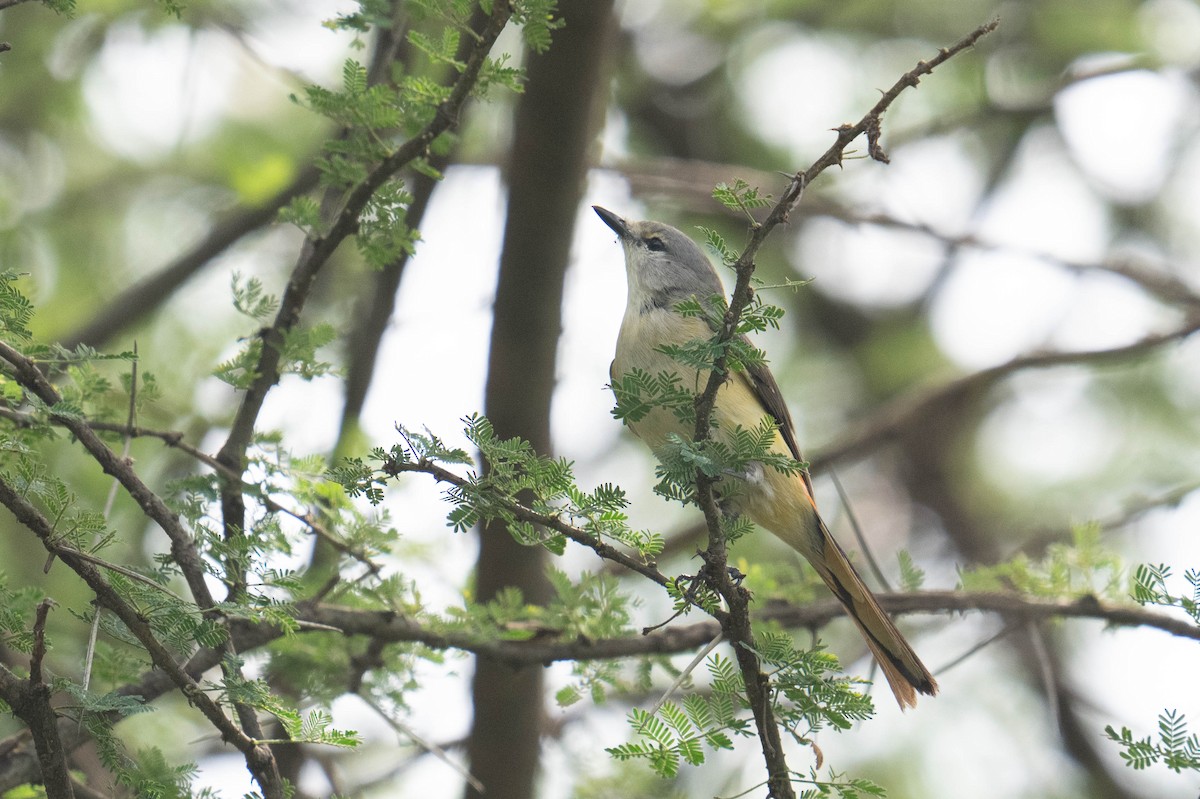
(637, 348)
(776, 501)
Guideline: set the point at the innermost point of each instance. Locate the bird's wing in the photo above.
(763, 384)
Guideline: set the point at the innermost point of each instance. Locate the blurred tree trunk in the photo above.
(556, 119)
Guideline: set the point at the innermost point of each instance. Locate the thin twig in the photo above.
(94, 633)
(38, 654)
(858, 532)
(888, 422)
(1045, 663)
(122, 570)
(183, 547)
(130, 424)
(429, 746)
(523, 513)
(683, 675)
(1006, 630)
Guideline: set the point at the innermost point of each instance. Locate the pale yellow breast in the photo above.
(637, 348)
(780, 502)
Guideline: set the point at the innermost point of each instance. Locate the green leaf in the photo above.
(716, 243)
(567, 696)
(741, 196)
(250, 299)
(912, 577)
(1176, 748)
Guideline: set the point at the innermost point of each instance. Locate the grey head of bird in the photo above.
(663, 265)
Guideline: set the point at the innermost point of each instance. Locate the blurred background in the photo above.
(1042, 198)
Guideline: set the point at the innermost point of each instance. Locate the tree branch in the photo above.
(888, 422)
(29, 700)
(258, 758)
(394, 628)
(390, 627)
(183, 548)
(525, 514)
(736, 626)
(135, 302)
(314, 254)
(317, 250)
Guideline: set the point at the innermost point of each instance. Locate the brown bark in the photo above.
(555, 123)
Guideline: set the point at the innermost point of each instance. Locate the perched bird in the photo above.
(664, 267)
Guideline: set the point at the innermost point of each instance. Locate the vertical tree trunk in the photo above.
(556, 119)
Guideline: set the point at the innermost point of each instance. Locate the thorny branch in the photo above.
(390, 627)
(317, 251)
(692, 181)
(183, 549)
(258, 758)
(550, 522)
(737, 625)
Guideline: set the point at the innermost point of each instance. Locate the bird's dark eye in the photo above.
(656, 244)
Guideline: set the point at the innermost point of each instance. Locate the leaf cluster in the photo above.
(314, 727)
(16, 311)
(1176, 748)
(638, 392)
(837, 785)
(738, 352)
(741, 196)
(1082, 567)
(912, 577)
(147, 773)
(73, 524)
(299, 345)
(811, 692)
(589, 607)
(686, 728)
(537, 21)
(736, 453)
(809, 695)
(375, 117)
(1150, 588)
(15, 616)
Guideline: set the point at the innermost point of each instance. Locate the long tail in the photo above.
(905, 672)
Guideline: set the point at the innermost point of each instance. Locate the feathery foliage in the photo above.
(1176, 748)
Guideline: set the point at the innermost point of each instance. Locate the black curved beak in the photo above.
(613, 221)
